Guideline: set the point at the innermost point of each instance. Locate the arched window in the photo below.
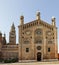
(26, 42)
(27, 49)
(38, 41)
(49, 41)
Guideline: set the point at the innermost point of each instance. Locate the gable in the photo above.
(36, 23)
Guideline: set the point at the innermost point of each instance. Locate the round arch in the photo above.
(39, 56)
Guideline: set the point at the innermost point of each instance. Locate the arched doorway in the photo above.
(39, 56)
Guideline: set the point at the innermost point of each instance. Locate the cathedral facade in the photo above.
(37, 41)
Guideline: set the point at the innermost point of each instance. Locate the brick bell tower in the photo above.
(12, 35)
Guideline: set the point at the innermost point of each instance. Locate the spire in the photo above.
(12, 35)
(13, 27)
(21, 20)
(53, 21)
(38, 15)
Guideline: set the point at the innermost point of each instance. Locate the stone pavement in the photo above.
(33, 63)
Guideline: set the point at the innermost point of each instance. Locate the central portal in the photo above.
(39, 56)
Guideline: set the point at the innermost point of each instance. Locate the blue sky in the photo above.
(11, 10)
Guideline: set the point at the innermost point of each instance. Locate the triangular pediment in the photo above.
(37, 23)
